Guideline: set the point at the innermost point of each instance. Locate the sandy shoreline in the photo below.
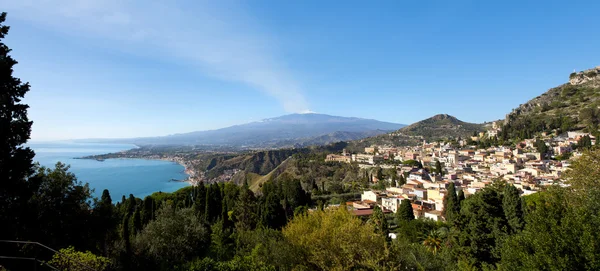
(187, 170)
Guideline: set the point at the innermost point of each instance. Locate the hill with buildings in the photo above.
(438, 127)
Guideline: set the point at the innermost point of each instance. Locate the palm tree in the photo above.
(433, 242)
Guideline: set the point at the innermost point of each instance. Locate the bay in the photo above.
(139, 177)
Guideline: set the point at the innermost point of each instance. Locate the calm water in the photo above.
(120, 176)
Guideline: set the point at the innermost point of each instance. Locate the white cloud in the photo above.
(220, 41)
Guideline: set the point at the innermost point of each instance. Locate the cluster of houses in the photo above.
(469, 168)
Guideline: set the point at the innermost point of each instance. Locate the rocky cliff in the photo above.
(591, 77)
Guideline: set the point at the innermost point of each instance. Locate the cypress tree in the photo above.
(513, 210)
(405, 212)
(584, 143)
(401, 180)
(481, 227)
(226, 223)
(245, 211)
(461, 196)
(148, 210)
(136, 222)
(378, 220)
(451, 207)
(438, 167)
(131, 204)
(213, 203)
(271, 211)
(15, 159)
(105, 217)
(126, 237)
(200, 199)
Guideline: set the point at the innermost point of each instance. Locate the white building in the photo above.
(392, 203)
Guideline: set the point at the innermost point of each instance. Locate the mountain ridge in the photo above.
(292, 130)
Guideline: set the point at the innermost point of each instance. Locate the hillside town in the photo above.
(469, 168)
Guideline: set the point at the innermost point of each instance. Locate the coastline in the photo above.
(190, 179)
(186, 169)
(193, 178)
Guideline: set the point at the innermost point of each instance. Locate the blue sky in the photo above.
(119, 68)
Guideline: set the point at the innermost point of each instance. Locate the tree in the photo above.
(433, 242)
(583, 177)
(412, 163)
(379, 221)
(105, 221)
(60, 206)
(541, 147)
(401, 180)
(405, 212)
(15, 158)
(245, 211)
(335, 240)
(136, 222)
(199, 197)
(221, 243)
(591, 117)
(561, 229)
(294, 195)
(481, 227)
(126, 255)
(461, 196)
(148, 206)
(130, 205)
(584, 143)
(271, 212)
(70, 259)
(175, 236)
(451, 204)
(438, 167)
(557, 235)
(212, 206)
(511, 203)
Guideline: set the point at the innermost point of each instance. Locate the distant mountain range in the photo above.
(294, 130)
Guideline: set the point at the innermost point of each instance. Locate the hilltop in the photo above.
(438, 127)
(441, 126)
(570, 106)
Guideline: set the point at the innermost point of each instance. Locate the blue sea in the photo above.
(120, 176)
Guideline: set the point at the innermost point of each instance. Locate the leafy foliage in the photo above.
(173, 237)
(451, 204)
(335, 240)
(405, 212)
(15, 159)
(70, 259)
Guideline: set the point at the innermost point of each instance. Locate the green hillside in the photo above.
(438, 127)
(571, 106)
(441, 126)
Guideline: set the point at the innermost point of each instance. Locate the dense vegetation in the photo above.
(564, 108)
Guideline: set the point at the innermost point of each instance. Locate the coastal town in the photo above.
(468, 167)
